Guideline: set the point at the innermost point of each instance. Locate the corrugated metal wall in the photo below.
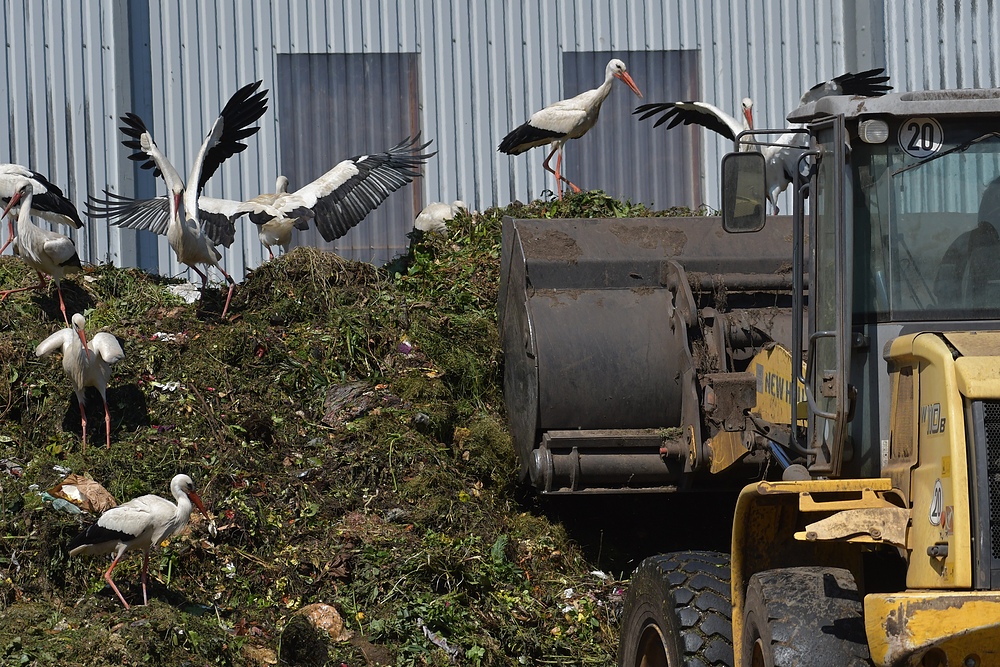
(317, 91)
(72, 68)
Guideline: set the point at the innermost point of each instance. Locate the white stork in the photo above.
(86, 364)
(273, 226)
(141, 523)
(194, 229)
(782, 156)
(44, 251)
(48, 203)
(701, 113)
(433, 217)
(336, 201)
(567, 119)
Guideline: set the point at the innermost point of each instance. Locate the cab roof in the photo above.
(961, 102)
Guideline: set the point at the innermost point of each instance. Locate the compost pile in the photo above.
(345, 428)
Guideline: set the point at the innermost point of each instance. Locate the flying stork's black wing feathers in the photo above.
(121, 211)
(134, 128)
(677, 114)
(870, 83)
(378, 175)
(154, 215)
(244, 108)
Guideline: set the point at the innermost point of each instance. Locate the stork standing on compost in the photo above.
(86, 364)
(566, 119)
(44, 251)
(781, 158)
(193, 224)
(141, 523)
(336, 201)
(48, 201)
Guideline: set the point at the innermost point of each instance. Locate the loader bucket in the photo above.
(595, 353)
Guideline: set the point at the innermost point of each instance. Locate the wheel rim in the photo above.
(757, 660)
(651, 651)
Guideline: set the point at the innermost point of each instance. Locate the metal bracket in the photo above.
(871, 525)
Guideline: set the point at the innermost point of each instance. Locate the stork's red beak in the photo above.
(196, 499)
(83, 339)
(748, 114)
(13, 202)
(624, 76)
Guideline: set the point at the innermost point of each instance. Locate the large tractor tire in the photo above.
(804, 616)
(678, 612)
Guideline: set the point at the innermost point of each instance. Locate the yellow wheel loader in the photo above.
(841, 367)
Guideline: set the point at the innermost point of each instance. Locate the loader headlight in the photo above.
(873, 131)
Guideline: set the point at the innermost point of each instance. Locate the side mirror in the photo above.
(744, 192)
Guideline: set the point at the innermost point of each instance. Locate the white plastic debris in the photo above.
(168, 337)
(173, 385)
(187, 291)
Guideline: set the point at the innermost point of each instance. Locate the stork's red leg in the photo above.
(41, 285)
(232, 286)
(10, 226)
(546, 167)
(145, 575)
(62, 304)
(204, 277)
(107, 578)
(107, 421)
(83, 424)
(559, 173)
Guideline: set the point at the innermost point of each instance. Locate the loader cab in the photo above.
(897, 215)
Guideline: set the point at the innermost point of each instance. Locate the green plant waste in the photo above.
(345, 427)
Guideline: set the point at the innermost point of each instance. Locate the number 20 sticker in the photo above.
(921, 137)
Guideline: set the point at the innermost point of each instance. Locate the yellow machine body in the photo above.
(920, 505)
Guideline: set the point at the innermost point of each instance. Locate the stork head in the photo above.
(281, 185)
(23, 191)
(184, 485)
(616, 68)
(747, 105)
(78, 324)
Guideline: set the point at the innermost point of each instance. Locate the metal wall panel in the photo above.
(628, 159)
(72, 68)
(316, 91)
(932, 44)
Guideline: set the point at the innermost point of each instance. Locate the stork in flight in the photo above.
(701, 113)
(781, 158)
(86, 364)
(336, 201)
(142, 523)
(48, 202)
(566, 119)
(193, 224)
(44, 251)
(273, 227)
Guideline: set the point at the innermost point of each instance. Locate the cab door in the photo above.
(830, 270)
